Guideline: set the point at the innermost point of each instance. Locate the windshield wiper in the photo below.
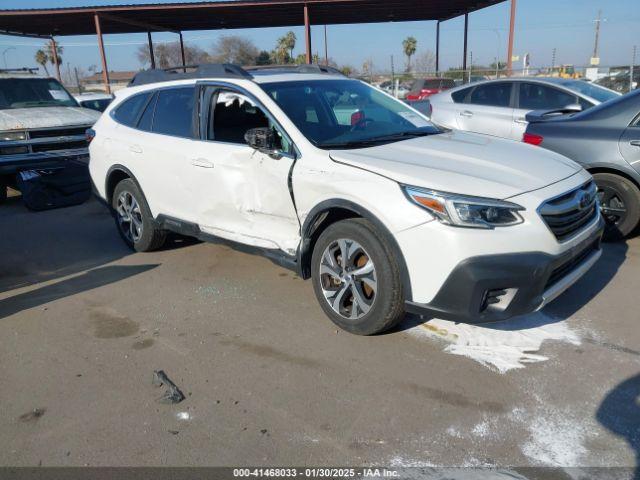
(377, 140)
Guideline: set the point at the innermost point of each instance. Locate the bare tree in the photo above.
(425, 62)
(168, 55)
(235, 49)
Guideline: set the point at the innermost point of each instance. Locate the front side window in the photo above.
(33, 92)
(127, 113)
(492, 95)
(174, 112)
(346, 113)
(534, 96)
(232, 114)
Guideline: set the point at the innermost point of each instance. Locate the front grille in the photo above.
(567, 214)
(566, 267)
(46, 147)
(57, 132)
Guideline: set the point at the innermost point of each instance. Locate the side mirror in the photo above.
(264, 140)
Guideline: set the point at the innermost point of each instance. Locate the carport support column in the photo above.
(151, 54)
(437, 47)
(466, 36)
(56, 61)
(105, 71)
(307, 33)
(512, 22)
(182, 53)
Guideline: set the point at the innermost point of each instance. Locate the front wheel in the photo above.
(619, 203)
(133, 218)
(356, 277)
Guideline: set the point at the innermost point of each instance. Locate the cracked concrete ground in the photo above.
(269, 380)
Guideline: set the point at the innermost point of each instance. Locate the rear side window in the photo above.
(174, 112)
(534, 96)
(146, 119)
(492, 94)
(432, 84)
(460, 95)
(448, 83)
(128, 112)
(417, 85)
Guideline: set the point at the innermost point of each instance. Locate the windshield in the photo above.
(590, 90)
(33, 92)
(347, 113)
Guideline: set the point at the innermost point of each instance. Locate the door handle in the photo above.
(201, 162)
(466, 113)
(521, 121)
(135, 148)
(635, 143)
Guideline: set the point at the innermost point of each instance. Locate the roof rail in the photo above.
(225, 70)
(306, 68)
(33, 70)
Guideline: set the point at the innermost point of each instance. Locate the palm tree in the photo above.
(50, 55)
(285, 46)
(42, 58)
(409, 45)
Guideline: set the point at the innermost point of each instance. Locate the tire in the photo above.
(379, 299)
(619, 203)
(140, 232)
(3, 190)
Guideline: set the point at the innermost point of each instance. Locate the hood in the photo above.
(464, 163)
(45, 117)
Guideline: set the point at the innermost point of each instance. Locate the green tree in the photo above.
(263, 58)
(284, 48)
(42, 58)
(409, 45)
(51, 56)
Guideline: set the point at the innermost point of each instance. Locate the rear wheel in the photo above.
(133, 218)
(356, 278)
(619, 203)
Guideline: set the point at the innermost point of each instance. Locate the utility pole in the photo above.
(512, 22)
(633, 64)
(75, 69)
(595, 60)
(393, 79)
(553, 59)
(326, 51)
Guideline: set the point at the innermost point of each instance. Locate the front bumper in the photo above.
(11, 164)
(496, 287)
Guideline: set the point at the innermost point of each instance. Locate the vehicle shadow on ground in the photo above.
(576, 297)
(42, 246)
(95, 278)
(619, 412)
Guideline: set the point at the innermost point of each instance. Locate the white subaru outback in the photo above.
(384, 211)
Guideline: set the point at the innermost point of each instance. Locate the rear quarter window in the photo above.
(127, 113)
(174, 112)
(460, 95)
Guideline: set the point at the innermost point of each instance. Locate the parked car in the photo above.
(605, 140)
(499, 107)
(41, 125)
(400, 92)
(94, 101)
(384, 211)
(425, 87)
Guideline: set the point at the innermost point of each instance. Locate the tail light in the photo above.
(90, 134)
(532, 139)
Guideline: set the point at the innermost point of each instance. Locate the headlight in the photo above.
(465, 211)
(11, 136)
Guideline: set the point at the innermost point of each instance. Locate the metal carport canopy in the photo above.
(174, 17)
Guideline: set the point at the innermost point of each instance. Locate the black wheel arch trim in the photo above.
(124, 169)
(319, 213)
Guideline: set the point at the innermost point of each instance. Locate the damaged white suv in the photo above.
(339, 181)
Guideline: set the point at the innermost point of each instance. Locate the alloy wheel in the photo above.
(612, 206)
(129, 216)
(348, 278)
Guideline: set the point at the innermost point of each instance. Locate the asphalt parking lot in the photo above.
(269, 380)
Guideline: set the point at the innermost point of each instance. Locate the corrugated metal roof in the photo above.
(226, 15)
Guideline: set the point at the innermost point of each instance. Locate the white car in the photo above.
(385, 212)
(499, 107)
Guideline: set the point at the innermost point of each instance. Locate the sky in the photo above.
(541, 25)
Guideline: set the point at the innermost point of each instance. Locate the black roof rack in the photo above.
(32, 70)
(306, 68)
(224, 70)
